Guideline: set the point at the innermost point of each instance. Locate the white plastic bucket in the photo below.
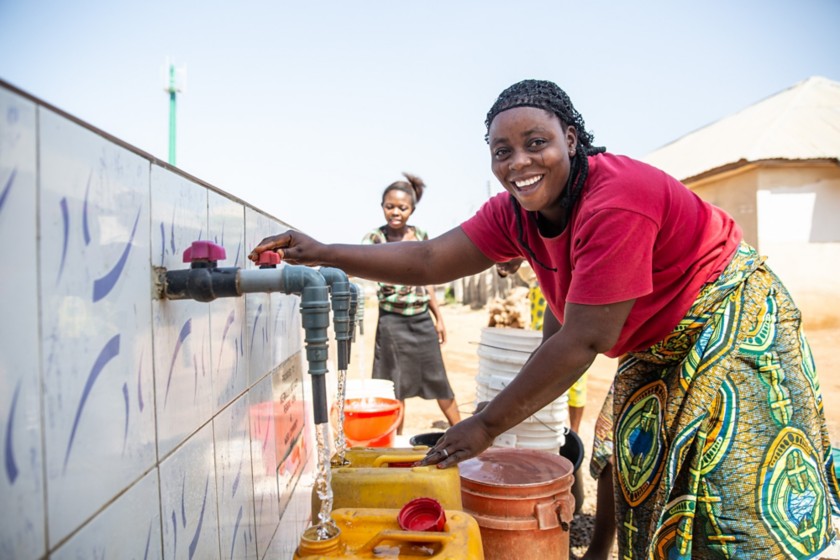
(501, 354)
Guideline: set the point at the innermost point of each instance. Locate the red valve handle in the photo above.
(204, 251)
(268, 258)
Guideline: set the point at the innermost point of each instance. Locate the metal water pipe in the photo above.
(206, 281)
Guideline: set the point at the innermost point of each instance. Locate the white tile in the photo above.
(95, 282)
(22, 518)
(264, 463)
(259, 323)
(227, 315)
(183, 379)
(127, 529)
(235, 481)
(188, 499)
(295, 520)
(286, 328)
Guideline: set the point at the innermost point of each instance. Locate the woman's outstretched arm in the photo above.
(436, 261)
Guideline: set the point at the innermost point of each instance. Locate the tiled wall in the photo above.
(132, 427)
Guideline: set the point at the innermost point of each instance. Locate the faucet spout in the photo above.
(341, 297)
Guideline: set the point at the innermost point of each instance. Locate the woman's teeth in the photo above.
(527, 182)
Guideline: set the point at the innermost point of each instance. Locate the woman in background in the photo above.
(407, 349)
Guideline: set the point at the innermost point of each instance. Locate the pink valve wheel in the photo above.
(204, 251)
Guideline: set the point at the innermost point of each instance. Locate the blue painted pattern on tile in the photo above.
(7, 188)
(125, 400)
(109, 351)
(148, 542)
(238, 353)
(8, 447)
(186, 329)
(140, 384)
(172, 234)
(162, 244)
(65, 220)
(235, 485)
(103, 286)
(174, 531)
(12, 115)
(235, 531)
(85, 227)
(228, 323)
(254, 326)
(238, 252)
(194, 542)
(184, 499)
(195, 376)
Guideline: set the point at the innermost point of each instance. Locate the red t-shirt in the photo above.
(636, 233)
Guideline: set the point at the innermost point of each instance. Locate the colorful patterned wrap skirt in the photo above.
(721, 446)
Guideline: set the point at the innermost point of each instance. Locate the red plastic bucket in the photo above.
(522, 501)
(371, 421)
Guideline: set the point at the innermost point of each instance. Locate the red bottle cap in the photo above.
(422, 514)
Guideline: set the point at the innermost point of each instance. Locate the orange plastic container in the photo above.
(371, 421)
(375, 533)
(522, 500)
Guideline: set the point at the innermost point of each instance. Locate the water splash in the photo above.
(325, 528)
(340, 440)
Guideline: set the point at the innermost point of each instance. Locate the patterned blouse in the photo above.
(404, 300)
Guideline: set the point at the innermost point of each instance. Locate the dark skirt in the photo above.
(407, 352)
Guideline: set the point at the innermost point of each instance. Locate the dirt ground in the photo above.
(464, 326)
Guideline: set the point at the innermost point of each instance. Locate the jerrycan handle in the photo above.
(406, 536)
(385, 460)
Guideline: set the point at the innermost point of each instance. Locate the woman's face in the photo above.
(531, 150)
(397, 208)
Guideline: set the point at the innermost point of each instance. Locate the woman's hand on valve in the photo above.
(464, 440)
(292, 246)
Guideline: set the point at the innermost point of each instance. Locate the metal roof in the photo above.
(799, 123)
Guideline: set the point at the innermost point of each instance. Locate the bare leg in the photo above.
(575, 415)
(603, 533)
(450, 410)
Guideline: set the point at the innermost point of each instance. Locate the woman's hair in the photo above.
(413, 187)
(548, 96)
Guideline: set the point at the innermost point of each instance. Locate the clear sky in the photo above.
(309, 109)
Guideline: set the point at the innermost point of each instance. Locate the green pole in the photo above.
(172, 114)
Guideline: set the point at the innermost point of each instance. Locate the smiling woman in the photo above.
(716, 437)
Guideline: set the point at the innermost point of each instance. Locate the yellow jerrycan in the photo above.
(367, 533)
(375, 477)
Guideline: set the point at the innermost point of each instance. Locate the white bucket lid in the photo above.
(509, 338)
(357, 388)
